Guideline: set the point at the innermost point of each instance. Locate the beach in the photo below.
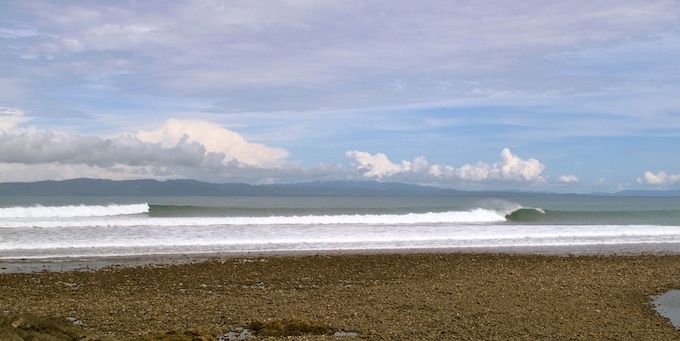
(377, 296)
(339, 170)
(317, 268)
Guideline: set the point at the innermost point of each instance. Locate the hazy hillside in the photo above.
(148, 187)
(92, 187)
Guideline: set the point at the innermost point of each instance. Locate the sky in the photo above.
(575, 96)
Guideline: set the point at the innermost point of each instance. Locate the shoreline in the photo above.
(425, 296)
(93, 263)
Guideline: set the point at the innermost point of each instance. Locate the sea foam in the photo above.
(473, 216)
(73, 211)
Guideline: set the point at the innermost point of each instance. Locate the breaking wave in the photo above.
(473, 216)
(126, 215)
(73, 211)
(537, 215)
(526, 214)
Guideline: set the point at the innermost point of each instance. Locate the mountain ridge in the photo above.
(184, 187)
(187, 187)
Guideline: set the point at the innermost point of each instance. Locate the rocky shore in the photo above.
(387, 296)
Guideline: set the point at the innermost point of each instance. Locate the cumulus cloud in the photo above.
(179, 148)
(377, 165)
(567, 179)
(33, 146)
(215, 139)
(30, 154)
(204, 150)
(442, 171)
(659, 178)
(512, 167)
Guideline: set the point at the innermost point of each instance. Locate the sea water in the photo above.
(44, 227)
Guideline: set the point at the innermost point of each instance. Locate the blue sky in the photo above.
(537, 95)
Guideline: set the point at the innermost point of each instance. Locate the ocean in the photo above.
(53, 226)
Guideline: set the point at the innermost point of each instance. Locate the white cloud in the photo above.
(214, 138)
(511, 168)
(29, 154)
(514, 167)
(567, 179)
(478, 172)
(10, 118)
(442, 171)
(659, 178)
(179, 145)
(33, 146)
(420, 164)
(204, 150)
(377, 165)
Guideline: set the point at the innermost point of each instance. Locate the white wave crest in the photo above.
(73, 211)
(474, 216)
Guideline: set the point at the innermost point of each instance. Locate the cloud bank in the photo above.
(512, 168)
(215, 139)
(659, 178)
(205, 150)
(178, 148)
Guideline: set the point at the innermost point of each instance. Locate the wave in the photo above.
(472, 216)
(526, 214)
(168, 215)
(538, 215)
(68, 242)
(73, 211)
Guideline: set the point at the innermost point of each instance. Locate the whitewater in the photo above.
(142, 229)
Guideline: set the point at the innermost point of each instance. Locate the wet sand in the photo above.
(379, 296)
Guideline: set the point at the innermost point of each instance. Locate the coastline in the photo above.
(93, 263)
(415, 295)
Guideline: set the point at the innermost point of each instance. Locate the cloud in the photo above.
(567, 179)
(215, 139)
(33, 146)
(659, 178)
(10, 118)
(377, 165)
(442, 171)
(15, 33)
(29, 154)
(249, 53)
(512, 168)
(207, 151)
(184, 145)
(21, 172)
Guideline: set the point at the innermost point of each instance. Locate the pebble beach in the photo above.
(373, 297)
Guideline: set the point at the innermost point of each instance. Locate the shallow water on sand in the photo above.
(668, 306)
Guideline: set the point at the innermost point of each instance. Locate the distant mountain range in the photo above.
(99, 187)
(650, 193)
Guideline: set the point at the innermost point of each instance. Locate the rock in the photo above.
(237, 334)
(340, 333)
